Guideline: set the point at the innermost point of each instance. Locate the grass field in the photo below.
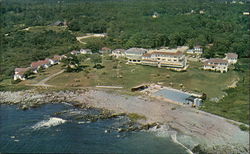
(117, 73)
(42, 74)
(236, 104)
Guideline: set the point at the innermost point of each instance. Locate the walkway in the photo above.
(43, 82)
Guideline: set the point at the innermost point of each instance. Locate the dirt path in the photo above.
(88, 36)
(42, 83)
(234, 83)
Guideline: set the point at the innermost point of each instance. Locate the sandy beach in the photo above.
(204, 128)
(215, 133)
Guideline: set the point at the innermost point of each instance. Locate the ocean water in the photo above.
(42, 130)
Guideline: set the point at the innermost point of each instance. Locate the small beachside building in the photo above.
(134, 55)
(231, 58)
(171, 60)
(216, 64)
(20, 73)
(193, 101)
(118, 53)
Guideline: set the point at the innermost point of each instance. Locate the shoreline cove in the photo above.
(209, 133)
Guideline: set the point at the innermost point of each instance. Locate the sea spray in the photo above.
(174, 139)
(164, 131)
(53, 121)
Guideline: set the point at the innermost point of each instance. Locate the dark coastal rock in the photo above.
(24, 107)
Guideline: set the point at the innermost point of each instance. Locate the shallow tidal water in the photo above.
(41, 130)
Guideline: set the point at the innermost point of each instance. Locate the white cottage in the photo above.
(216, 64)
(231, 58)
(20, 73)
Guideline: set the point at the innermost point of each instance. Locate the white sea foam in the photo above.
(81, 122)
(53, 121)
(65, 103)
(164, 131)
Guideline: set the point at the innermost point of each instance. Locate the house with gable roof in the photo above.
(231, 58)
(20, 73)
(216, 64)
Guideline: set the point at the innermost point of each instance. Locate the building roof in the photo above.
(215, 61)
(87, 50)
(178, 53)
(197, 46)
(74, 52)
(118, 50)
(57, 57)
(191, 98)
(147, 55)
(39, 63)
(231, 55)
(21, 71)
(106, 49)
(136, 50)
(58, 23)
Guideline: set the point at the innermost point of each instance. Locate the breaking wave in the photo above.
(53, 121)
(164, 131)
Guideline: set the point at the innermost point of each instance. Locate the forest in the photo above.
(128, 23)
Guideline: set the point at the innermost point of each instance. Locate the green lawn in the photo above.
(43, 74)
(116, 73)
(236, 104)
(125, 75)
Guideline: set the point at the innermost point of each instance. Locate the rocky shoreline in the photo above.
(209, 138)
(31, 98)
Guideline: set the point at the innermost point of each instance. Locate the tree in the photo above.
(96, 59)
(71, 64)
(74, 25)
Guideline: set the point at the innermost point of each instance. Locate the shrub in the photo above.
(135, 117)
(15, 81)
(98, 66)
(244, 127)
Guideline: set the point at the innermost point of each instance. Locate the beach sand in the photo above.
(204, 128)
(214, 133)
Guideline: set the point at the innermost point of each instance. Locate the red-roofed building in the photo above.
(40, 64)
(105, 50)
(20, 73)
(216, 64)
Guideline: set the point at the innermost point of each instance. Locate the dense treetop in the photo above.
(128, 23)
